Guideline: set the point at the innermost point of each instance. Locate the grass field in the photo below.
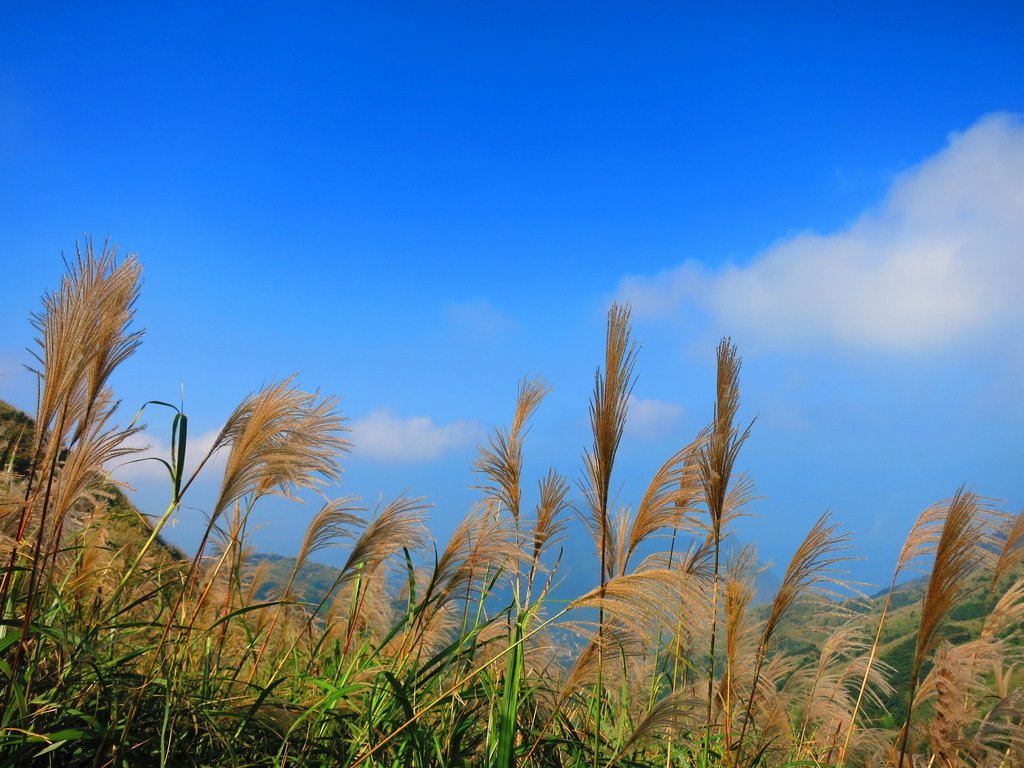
(118, 650)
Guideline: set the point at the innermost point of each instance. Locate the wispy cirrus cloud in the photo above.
(385, 436)
(478, 319)
(939, 261)
(648, 419)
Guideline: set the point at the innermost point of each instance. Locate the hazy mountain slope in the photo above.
(899, 637)
(127, 526)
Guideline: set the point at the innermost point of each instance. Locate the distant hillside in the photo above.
(313, 584)
(16, 430)
(899, 638)
(127, 526)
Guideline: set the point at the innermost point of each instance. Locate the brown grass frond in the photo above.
(335, 520)
(956, 687)
(220, 580)
(480, 546)
(767, 707)
(738, 591)
(1012, 552)
(694, 560)
(957, 556)
(608, 410)
(531, 393)
(362, 608)
(83, 474)
(718, 454)
(1007, 615)
(812, 571)
(599, 659)
(645, 601)
(398, 525)
(93, 573)
(618, 540)
(715, 462)
(282, 439)
(83, 336)
(738, 498)
(1001, 735)
(668, 504)
(922, 542)
(501, 460)
(919, 548)
(584, 671)
(923, 538)
(828, 692)
(255, 578)
(672, 715)
(554, 490)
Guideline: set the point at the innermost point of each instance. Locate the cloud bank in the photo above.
(941, 260)
(384, 436)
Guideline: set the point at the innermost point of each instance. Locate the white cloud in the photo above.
(384, 436)
(940, 260)
(157, 447)
(648, 419)
(478, 319)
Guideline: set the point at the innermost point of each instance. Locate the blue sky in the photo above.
(413, 206)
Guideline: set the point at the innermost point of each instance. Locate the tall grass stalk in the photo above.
(957, 556)
(716, 461)
(608, 410)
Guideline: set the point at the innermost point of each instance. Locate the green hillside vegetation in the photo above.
(117, 650)
(315, 583)
(964, 623)
(16, 432)
(125, 527)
